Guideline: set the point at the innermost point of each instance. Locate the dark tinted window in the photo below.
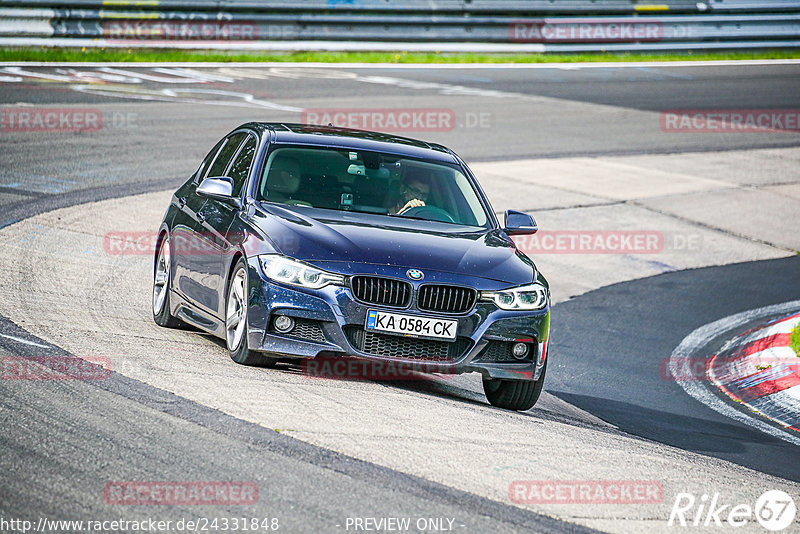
(371, 182)
(201, 172)
(225, 155)
(241, 166)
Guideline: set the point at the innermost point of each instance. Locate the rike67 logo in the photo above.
(774, 510)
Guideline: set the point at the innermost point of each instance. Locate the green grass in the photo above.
(156, 55)
(794, 341)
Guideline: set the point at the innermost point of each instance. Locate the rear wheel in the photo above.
(236, 320)
(161, 285)
(517, 395)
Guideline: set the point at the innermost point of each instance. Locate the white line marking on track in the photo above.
(22, 340)
(177, 95)
(699, 337)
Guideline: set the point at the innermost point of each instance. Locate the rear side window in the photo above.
(201, 172)
(225, 155)
(241, 165)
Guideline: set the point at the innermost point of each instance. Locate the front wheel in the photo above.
(519, 395)
(236, 319)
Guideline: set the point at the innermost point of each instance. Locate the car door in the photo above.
(191, 244)
(217, 217)
(201, 258)
(186, 224)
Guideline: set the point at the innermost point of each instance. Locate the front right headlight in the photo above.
(296, 273)
(528, 297)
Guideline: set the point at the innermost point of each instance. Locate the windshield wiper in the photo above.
(409, 217)
(369, 212)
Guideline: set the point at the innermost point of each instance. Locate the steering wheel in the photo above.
(432, 213)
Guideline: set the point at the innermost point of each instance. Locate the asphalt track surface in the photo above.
(609, 344)
(605, 375)
(64, 439)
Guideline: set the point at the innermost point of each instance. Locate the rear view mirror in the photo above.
(358, 170)
(519, 223)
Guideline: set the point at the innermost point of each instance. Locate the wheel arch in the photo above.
(162, 233)
(234, 260)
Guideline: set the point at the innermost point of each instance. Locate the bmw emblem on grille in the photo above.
(415, 274)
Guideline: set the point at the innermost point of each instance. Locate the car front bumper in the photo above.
(328, 322)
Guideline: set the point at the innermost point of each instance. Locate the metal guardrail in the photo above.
(525, 7)
(475, 25)
(566, 7)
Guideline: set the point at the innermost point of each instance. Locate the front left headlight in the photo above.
(528, 297)
(289, 271)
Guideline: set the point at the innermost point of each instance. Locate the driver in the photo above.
(414, 192)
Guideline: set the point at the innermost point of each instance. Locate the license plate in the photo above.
(411, 325)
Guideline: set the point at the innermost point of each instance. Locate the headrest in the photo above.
(284, 175)
(413, 172)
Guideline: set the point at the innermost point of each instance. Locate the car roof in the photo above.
(332, 136)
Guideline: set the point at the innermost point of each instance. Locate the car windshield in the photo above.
(370, 182)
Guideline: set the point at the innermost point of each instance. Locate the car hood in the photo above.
(316, 235)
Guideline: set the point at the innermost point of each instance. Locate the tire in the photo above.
(161, 287)
(519, 395)
(236, 320)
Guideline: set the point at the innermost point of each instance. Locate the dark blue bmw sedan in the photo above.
(300, 242)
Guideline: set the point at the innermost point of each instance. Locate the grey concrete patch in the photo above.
(684, 245)
(745, 167)
(751, 213)
(605, 178)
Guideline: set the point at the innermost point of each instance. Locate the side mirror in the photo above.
(218, 188)
(518, 223)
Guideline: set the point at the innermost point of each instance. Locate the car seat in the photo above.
(283, 181)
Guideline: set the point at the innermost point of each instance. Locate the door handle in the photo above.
(201, 217)
(181, 202)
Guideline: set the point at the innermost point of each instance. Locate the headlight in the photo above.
(296, 273)
(530, 297)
